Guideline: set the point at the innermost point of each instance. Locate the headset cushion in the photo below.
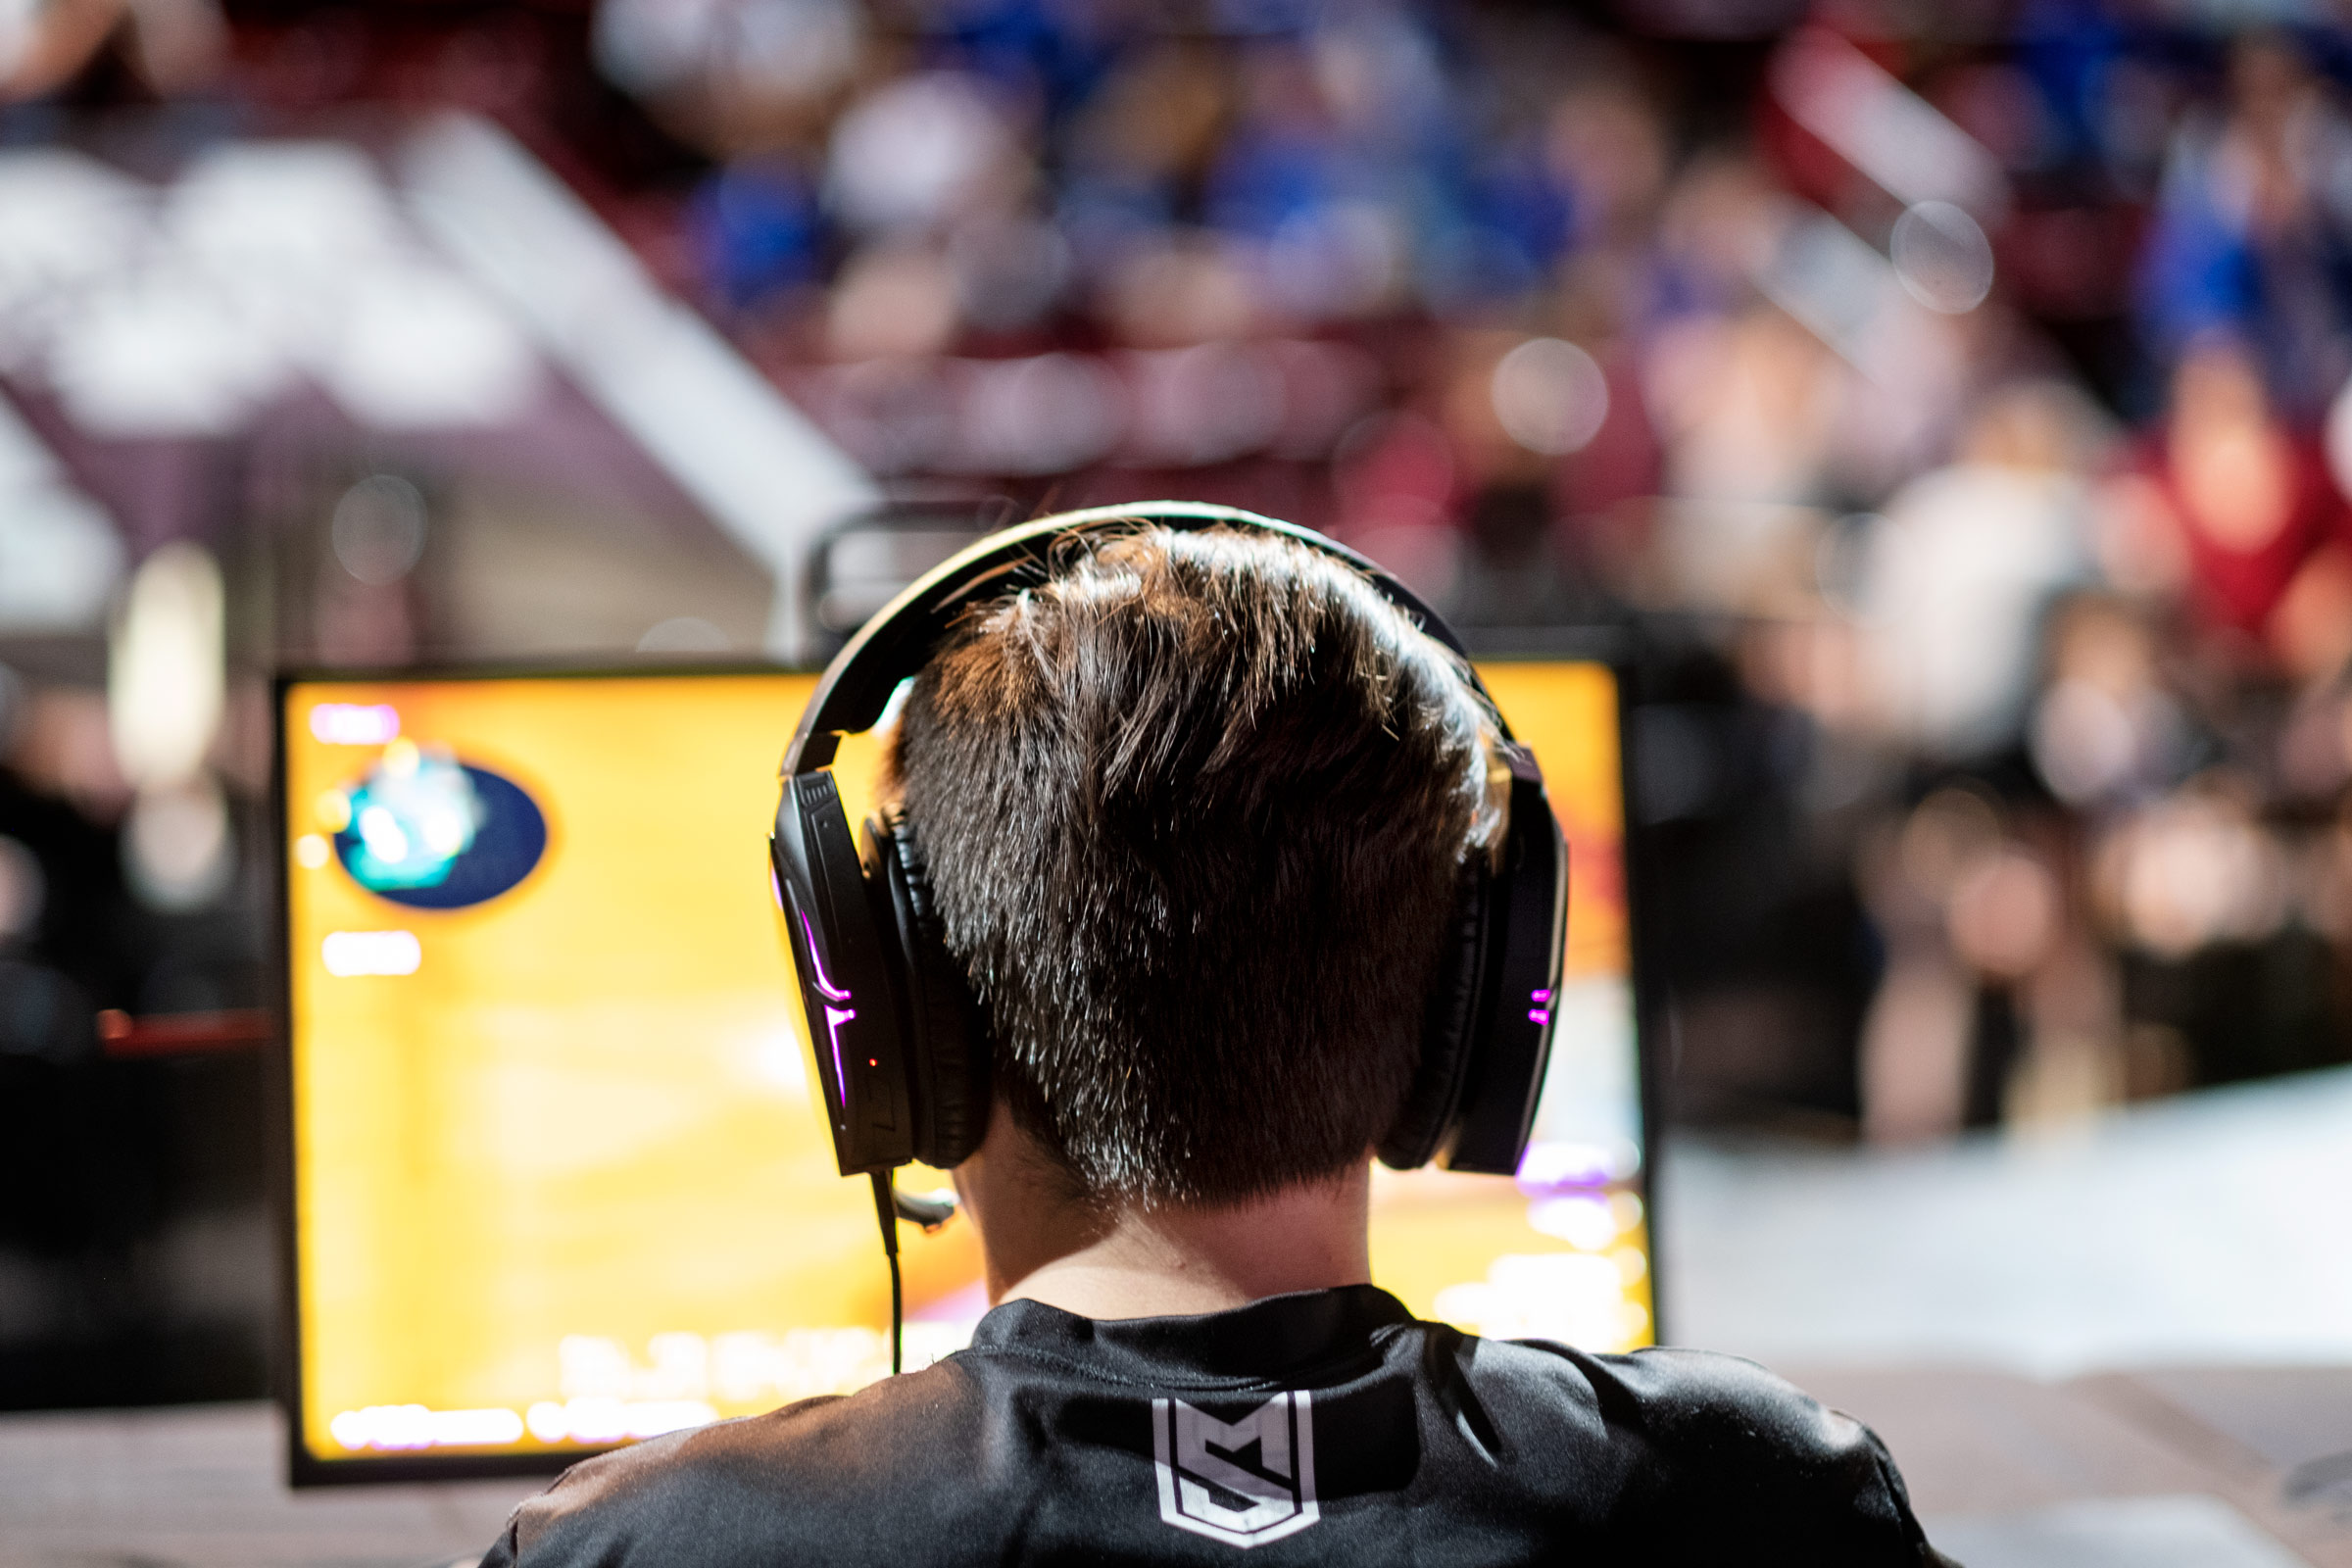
(1449, 1029)
(947, 1057)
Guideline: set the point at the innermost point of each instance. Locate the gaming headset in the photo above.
(901, 1054)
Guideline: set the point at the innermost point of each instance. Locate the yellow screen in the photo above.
(559, 1179)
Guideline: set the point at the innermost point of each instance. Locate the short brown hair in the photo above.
(1196, 811)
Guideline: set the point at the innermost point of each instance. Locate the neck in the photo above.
(1043, 1243)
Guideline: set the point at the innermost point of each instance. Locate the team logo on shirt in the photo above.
(1245, 1483)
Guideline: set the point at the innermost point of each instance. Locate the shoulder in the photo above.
(1710, 1449)
(1701, 1397)
(764, 1482)
(1696, 1401)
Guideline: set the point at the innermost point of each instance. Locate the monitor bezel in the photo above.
(306, 1469)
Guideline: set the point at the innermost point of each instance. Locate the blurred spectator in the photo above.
(1748, 407)
(758, 227)
(2106, 729)
(172, 45)
(2253, 231)
(916, 153)
(733, 75)
(1963, 568)
(2239, 505)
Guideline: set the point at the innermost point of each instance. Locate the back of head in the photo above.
(1195, 812)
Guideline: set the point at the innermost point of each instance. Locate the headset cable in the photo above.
(925, 1210)
(886, 1210)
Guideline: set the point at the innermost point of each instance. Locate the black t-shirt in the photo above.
(1328, 1426)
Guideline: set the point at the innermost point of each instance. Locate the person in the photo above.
(1196, 808)
(1961, 572)
(2244, 495)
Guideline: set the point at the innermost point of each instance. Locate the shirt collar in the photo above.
(1266, 1342)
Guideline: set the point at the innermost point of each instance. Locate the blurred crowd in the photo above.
(1968, 395)
(1947, 412)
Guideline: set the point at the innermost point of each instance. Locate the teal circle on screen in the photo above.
(445, 835)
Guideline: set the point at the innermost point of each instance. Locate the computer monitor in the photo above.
(553, 1181)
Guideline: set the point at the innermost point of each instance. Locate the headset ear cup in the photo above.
(1448, 1029)
(950, 1055)
(1527, 928)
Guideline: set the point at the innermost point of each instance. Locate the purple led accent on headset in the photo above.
(1541, 1014)
(835, 1017)
(817, 961)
